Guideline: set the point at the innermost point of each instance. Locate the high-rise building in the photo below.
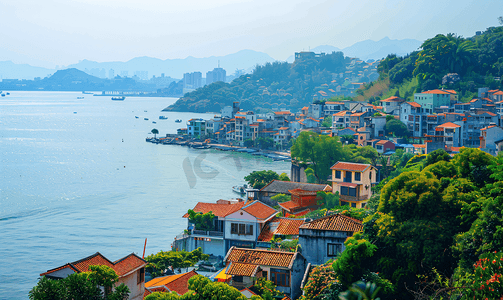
(218, 74)
(192, 80)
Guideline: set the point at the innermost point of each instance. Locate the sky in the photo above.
(47, 33)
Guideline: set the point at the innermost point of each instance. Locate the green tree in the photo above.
(284, 177)
(266, 289)
(327, 122)
(47, 289)
(202, 221)
(161, 261)
(104, 276)
(328, 200)
(321, 151)
(265, 142)
(163, 296)
(361, 291)
(310, 175)
(155, 132)
(322, 281)
(204, 289)
(347, 139)
(281, 198)
(353, 261)
(259, 179)
(396, 127)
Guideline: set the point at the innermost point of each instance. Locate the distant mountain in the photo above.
(369, 49)
(68, 76)
(243, 60)
(10, 70)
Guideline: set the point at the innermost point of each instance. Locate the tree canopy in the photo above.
(259, 179)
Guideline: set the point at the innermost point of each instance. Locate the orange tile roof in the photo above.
(122, 266)
(382, 142)
(485, 128)
(240, 117)
(498, 93)
(282, 112)
(176, 283)
(241, 269)
(331, 102)
(414, 104)
(218, 209)
(436, 91)
(335, 222)
(261, 257)
(301, 192)
(346, 166)
(283, 128)
(341, 113)
(419, 145)
(259, 210)
(285, 226)
(305, 107)
(448, 125)
(393, 99)
(289, 205)
(451, 91)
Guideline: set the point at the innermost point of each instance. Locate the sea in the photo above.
(77, 177)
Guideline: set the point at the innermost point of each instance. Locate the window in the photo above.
(280, 277)
(241, 229)
(353, 204)
(140, 276)
(338, 174)
(334, 249)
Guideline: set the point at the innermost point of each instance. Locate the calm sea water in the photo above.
(77, 177)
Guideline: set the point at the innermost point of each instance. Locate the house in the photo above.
(323, 239)
(173, 283)
(284, 269)
(353, 182)
(276, 187)
(488, 137)
(391, 105)
(431, 99)
(130, 269)
(301, 203)
(279, 227)
(235, 224)
(384, 146)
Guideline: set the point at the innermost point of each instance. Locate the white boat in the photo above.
(178, 121)
(240, 189)
(163, 118)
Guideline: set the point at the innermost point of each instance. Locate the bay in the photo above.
(77, 177)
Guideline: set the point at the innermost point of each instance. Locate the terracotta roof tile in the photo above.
(241, 269)
(121, 267)
(259, 210)
(176, 283)
(414, 104)
(261, 257)
(218, 209)
(335, 222)
(283, 187)
(448, 125)
(289, 205)
(346, 166)
(436, 91)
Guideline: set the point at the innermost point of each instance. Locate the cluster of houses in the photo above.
(435, 119)
(244, 232)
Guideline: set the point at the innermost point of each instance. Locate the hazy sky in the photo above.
(62, 32)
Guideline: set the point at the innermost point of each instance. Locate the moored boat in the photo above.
(178, 121)
(120, 98)
(240, 189)
(163, 118)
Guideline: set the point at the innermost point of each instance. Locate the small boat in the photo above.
(74, 112)
(240, 189)
(154, 122)
(136, 117)
(7, 93)
(120, 98)
(84, 92)
(80, 97)
(178, 121)
(144, 111)
(163, 118)
(146, 119)
(3, 95)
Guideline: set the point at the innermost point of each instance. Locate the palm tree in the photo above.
(155, 132)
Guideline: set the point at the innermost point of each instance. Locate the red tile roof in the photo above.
(335, 222)
(393, 99)
(122, 266)
(282, 112)
(448, 125)
(176, 283)
(436, 91)
(414, 104)
(289, 205)
(218, 209)
(241, 269)
(346, 166)
(261, 257)
(259, 210)
(382, 142)
(348, 184)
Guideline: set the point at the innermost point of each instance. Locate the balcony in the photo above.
(353, 198)
(208, 233)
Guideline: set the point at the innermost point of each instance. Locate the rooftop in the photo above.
(347, 166)
(218, 209)
(335, 222)
(261, 257)
(278, 186)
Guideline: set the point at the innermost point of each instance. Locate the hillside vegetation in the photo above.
(477, 60)
(271, 86)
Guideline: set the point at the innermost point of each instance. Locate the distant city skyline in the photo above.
(53, 32)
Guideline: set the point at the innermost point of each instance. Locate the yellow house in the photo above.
(353, 182)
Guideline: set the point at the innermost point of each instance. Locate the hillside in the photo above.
(477, 60)
(282, 85)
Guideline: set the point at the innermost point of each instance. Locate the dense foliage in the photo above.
(477, 60)
(84, 286)
(277, 84)
(201, 221)
(259, 179)
(160, 262)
